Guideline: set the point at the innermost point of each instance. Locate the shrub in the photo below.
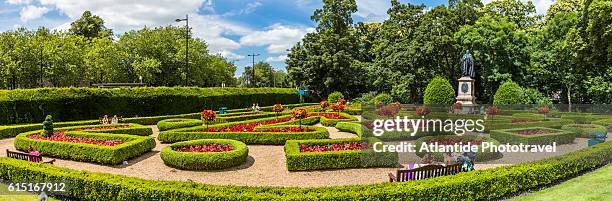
(48, 126)
(487, 184)
(68, 104)
(205, 160)
(584, 130)
(553, 135)
(297, 160)
(383, 98)
(132, 147)
(332, 122)
(439, 92)
(533, 96)
(365, 98)
(507, 124)
(604, 122)
(480, 155)
(528, 116)
(334, 97)
(351, 127)
(583, 118)
(170, 124)
(509, 93)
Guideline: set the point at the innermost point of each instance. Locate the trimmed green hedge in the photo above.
(273, 138)
(132, 147)
(558, 136)
(351, 127)
(508, 93)
(297, 160)
(480, 156)
(68, 104)
(133, 129)
(14, 130)
(488, 184)
(205, 160)
(528, 116)
(169, 124)
(605, 122)
(585, 132)
(498, 124)
(584, 118)
(332, 122)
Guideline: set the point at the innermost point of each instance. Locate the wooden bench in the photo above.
(424, 172)
(27, 157)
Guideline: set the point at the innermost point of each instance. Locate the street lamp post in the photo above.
(253, 55)
(186, 19)
(42, 46)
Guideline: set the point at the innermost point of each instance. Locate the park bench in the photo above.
(425, 172)
(27, 157)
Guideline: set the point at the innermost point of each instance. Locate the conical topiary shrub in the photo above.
(48, 126)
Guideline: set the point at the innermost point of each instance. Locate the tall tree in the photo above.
(90, 26)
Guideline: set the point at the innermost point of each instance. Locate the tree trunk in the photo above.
(569, 98)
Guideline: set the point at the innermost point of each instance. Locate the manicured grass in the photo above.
(592, 186)
(21, 196)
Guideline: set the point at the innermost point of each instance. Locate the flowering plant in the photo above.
(390, 110)
(278, 108)
(544, 110)
(208, 116)
(299, 113)
(492, 110)
(342, 101)
(324, 104)
(457, 106)
(338, 107)
(422, 111)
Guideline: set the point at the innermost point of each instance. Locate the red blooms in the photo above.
(422, 111)
(299, 113)
(277, 108)
(205, 148)
(453, 141)
(457, 106)
(390, 110)
(338, 107)
(531, 132)
(247, 127)
(328, 115)
(324, 104)
(543, 110)
(60, 137)
(208, 115)
(492, 110)
(334, 147)
(286, 129)
(341, 101)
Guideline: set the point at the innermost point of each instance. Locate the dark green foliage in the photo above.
(558, 136)
(474, 185)
(581, 131)
(205, 160)
(604, 122)
(533, 96)
(112, 155)
(333, 97)
(439, 92)
(48, 126)
(297, 160)
(530, 116)
(509, 93)
(351, 127)
(383, 98)
(67, 104)
(583, 118)
(480, 155)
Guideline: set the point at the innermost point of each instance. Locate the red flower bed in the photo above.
(286, 129)
(328, 115)
(60, 137)
(334, 147)
(206, 148)
(102, 128)
(531, 132)
(454, 141)
(248, 127)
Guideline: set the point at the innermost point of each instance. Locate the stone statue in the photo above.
(467, 65)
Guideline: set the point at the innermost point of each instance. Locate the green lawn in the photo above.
(592, 186)
(21, 196)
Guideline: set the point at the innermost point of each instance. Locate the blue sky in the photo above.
(232, 28)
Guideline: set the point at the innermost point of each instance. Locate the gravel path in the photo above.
(264, 167)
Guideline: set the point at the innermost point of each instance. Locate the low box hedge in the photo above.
(69, 104)
(351, 127)
(480, 156)
(132, 147)
(297, 160)
(528, 116)
(169, 124)
(498, 124)
(132, 129)
(585, 130)
(584, 118)
(205, 160)
(605, 122)
(555, 135)
(487, 184)
(272, 138)
(332, 122)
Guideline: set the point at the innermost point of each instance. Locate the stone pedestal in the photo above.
(465, 94)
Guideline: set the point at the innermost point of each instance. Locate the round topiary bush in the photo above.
(383, 98)
(509, 93)
(439, 92)
(48, 126)
(452, 139)
(334, 97)
(585, 130)
(207, 154)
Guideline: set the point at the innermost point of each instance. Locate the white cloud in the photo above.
(19, 2)
(249, 8)
(278, 38)
(230, 55)
(277, 58)
(32, 12)
(373, 10)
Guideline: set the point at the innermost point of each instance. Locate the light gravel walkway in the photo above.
(264, 167)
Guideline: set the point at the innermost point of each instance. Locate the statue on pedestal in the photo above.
(465, 92)
(467, 65)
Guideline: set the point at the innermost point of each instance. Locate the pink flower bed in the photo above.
(531, 132)
(248, 127)
(334, 147)
(60, 137)
(328, 115)
(102, 128)
(206, 148)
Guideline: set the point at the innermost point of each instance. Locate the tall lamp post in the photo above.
(186, 19)
(253, 55)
